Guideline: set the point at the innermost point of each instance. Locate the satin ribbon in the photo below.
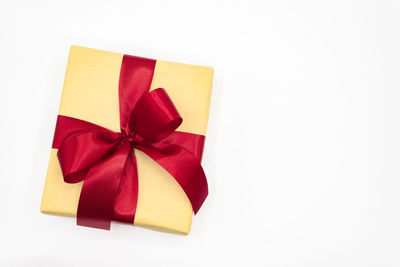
(106, 162)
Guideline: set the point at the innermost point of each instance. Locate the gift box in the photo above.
(100, 170)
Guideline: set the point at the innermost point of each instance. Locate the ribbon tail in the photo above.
(184, 167)
(126, 199)
(100, 187)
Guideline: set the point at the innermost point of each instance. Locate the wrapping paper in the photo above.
(90, 93)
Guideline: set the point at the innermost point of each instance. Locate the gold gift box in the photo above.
(90, 93)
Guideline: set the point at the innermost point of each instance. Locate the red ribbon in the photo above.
(105, 159)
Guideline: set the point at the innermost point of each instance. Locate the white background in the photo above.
(303, 149)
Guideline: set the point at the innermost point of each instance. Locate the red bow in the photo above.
(105, 159)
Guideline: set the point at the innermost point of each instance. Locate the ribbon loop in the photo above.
(81, 150)
(154, 116)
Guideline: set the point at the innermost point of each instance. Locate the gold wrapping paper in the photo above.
(90, 93)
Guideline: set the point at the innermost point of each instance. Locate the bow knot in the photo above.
(132, 138)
